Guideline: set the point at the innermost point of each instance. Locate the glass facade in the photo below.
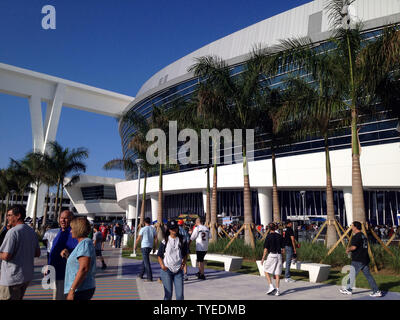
(99, 192)
(375, 129)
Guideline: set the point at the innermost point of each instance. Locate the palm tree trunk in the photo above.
(56, 201)
(214, 207)
(357, 186)
(142, 210)
(46, 209)
(160, 232)
(331, 236)
(61, 199)
(208, 203)
(248, 217)
(275, 196)
(35, 210)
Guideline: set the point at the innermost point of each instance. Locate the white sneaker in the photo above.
(289, 280)
(345, 291)
(271, 289)
(376, 294)
(277, 293)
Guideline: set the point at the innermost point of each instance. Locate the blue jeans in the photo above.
(118, 241)
(146, 266)
(289, 256)
(356, 268)
(169, 279)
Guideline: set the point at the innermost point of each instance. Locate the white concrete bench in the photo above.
(231, 263)
(317, 272)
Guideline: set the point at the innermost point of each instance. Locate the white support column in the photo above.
(348, 203)
(205, 200)
(131, 212)
(35, 108)
(265, 204)
(41, 135)
(154, 207)
(53, 116)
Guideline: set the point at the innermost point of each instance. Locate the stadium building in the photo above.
(300, 166)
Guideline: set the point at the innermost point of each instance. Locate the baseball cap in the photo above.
(172, 224)
(180, 222)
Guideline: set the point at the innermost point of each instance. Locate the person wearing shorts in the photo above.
(274, 246)
(97, 241)
(201, 234)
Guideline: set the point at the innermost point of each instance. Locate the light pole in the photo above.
(138, 163)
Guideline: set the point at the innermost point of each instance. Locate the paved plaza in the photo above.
(119, 282)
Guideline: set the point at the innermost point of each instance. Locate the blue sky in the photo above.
(111, 44)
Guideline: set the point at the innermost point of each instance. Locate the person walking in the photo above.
(172, 255)
(202, 235)
(290, 248)
(81, 264)
(359, 261)
(274, 247)
(119, 232)
(148, 236)
(104, 231)
(17, 253)
(63, 245)
(184, 233)
(97, 242)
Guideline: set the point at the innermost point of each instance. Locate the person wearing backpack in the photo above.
(172, 255)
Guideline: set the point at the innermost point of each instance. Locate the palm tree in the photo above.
(36, 163)
(158, 120)
(140, 144)
(317, 101)
(366, 65)
(22, 178)
(65, 162)
(195, 114)
(238, 110)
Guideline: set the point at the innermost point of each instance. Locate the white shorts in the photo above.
(273, 264)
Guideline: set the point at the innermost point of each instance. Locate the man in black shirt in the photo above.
(359, 261)
(290, 248)
(274, 246)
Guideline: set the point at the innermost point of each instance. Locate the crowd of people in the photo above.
(74, 246)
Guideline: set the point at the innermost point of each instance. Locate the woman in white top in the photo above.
(172, 259)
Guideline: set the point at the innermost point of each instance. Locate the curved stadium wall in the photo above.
(377, 129)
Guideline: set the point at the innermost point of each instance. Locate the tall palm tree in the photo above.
(365, 65)
(317, 100)
(158, 120)
(239, 110)
(36, 164)
(195, 114)
(66, 161)
(140, 145)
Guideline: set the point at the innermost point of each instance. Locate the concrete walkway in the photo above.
(119, 282)
(222, 285)
(111, 284)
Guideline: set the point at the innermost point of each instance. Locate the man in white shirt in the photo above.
(48, 238)
(201, 234)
